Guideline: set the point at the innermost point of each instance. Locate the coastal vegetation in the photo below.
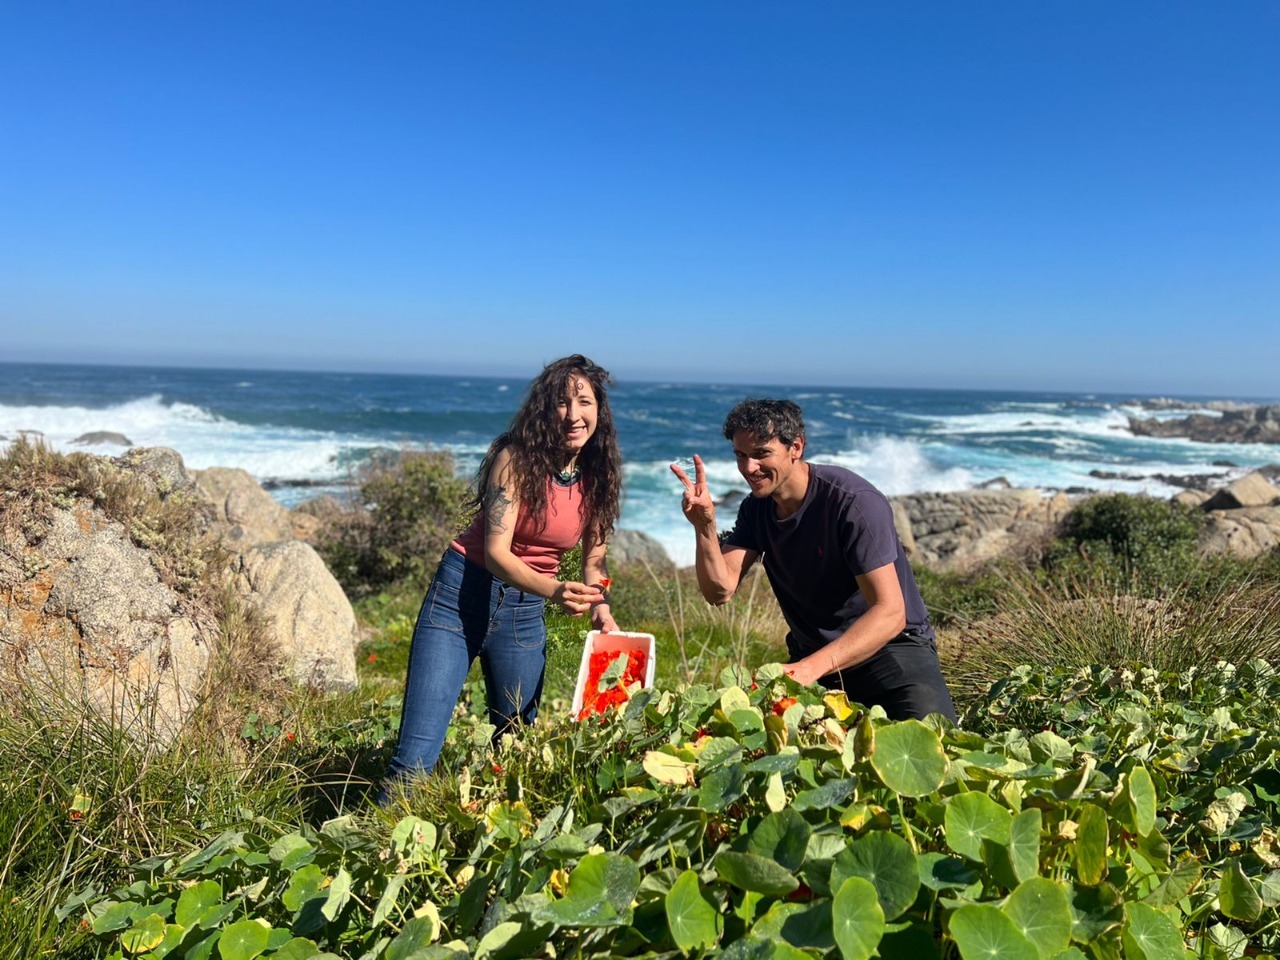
(1111, 791)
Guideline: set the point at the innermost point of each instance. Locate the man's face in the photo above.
(765, 466)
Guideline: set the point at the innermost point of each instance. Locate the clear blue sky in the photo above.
(1067, 195)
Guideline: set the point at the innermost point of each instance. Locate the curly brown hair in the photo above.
(537, 448)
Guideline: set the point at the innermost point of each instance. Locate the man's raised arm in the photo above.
(719, 570)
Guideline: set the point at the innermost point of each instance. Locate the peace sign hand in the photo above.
(698, 507)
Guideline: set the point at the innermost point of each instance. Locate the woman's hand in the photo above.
(602, 618)
(575, 598)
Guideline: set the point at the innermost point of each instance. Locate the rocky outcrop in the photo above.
(315, 626)
(1259, 424)
(1251, 490)
(86, 616)
(1244, 518)
(284, 578)
(103, 436)
(632, 546)
(962, 530)
(244, 514)
(106, 599)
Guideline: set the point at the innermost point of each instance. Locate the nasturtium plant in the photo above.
(1074, 815)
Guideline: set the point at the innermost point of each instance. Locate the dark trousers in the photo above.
(903, 677)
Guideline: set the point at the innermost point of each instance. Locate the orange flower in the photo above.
(604, 583)
(290, 737)
(781, 706)
(373, 658)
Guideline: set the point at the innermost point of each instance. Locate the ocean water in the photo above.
(303, 434)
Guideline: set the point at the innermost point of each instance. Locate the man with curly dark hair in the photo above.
(833, 558)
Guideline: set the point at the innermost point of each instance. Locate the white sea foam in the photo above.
(203, 438)
(897, 465)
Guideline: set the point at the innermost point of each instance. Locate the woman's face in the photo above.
(578, 412)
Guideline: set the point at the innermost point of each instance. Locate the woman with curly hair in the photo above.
(551, 481)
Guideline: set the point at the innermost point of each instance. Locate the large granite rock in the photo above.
(1247, 532)
(962, 530)
(1251, 490)
(1259, 424)
(315, 626)
(632, 546)
(284, 578)
(244, 514)
(87, 618)
(95, 609)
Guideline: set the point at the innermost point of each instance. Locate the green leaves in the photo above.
(973, 817)
(909, 758)
(748, 871)
(694, 922)
(856, 919)
(244, 940)
(984, 932)
(782, 837)
(1237, 895)
(776, 838)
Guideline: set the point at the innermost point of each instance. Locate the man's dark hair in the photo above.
(765, 419)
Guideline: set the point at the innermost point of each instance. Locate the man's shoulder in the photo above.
(842, 481)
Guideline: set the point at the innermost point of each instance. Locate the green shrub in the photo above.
(1145, 539)
(410, 505)
(953, 598)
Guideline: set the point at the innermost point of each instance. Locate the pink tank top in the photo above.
(540, 549)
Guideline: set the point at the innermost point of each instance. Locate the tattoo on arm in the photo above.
(496, 503)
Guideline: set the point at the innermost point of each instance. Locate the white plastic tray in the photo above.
(598, 642)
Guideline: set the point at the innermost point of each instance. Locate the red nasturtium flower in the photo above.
(290, 736)
(604, 583)
(781, 706)
(595, 700)
(373, 658)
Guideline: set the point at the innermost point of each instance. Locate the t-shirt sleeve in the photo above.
(745, 532)
(871, 540)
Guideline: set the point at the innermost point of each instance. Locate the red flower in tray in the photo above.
(608, 678)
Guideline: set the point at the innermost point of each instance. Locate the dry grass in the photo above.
(1073, 624)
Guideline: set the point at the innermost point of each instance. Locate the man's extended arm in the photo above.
(884, 619)
(719, 570)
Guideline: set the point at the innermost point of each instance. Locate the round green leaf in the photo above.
(1142, 799)
(243, 940)
(1150, 934)
(291, 851)
(972, 817)
(695, 923)
(1237, 895)
(1041, 909)
(115, 917)
(1024, 843)
(195, 900)
(611, 877)
(145, 934)
(886, 860)
(722, 788)
(983, 932)
(909, 758)
(783, 837)
(798, 924)
(856, 919)
(747, 871)
(1091, 845)
(415, 935)
(305, 885)
(298, 948)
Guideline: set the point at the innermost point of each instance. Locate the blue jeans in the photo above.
(469, 613)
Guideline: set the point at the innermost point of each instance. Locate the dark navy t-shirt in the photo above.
(844, 528)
